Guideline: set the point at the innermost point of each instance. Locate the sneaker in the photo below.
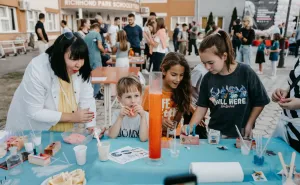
(259, 72)
(145, 71)
(99, 96)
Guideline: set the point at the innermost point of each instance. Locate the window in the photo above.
(180, 20)
(220, 22)
(52, 22)
(204, 22)
(8, 19)
(32, 18)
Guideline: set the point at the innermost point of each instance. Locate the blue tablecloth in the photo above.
(138, 172)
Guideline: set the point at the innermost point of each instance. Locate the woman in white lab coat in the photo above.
(56, 90)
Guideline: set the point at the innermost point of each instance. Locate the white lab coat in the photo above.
(37, 97)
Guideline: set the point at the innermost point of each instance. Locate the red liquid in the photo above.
(155, 125)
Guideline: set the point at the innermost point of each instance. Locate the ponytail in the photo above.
(220, 43)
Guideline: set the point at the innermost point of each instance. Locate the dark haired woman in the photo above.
(56, 91)
(84, 28)
(232, 91)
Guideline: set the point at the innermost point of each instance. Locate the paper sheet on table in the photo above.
(99, 79)
(127, 154)
(217, 171)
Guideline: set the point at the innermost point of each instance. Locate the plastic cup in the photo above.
(246, 147)
(37, 138)
(80, 153)
(174, 152)
(103, 150)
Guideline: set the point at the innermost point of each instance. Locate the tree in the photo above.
(209, 22)
(233, 18)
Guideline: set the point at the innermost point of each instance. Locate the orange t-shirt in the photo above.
(168, 106)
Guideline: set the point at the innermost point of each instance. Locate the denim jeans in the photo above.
(244, 54)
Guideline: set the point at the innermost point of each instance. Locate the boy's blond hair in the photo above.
(127, 84)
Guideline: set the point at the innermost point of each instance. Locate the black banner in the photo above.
(262, 12)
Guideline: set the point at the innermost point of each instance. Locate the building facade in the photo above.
(18, 17)
(173, 11)
(221, 9)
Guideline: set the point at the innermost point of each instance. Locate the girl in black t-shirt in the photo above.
(232, 91)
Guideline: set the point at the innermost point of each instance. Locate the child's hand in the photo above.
(139, 109)
(279, 95)
(125, 111)
(167, 123)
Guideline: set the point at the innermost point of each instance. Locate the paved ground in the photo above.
(265, 123)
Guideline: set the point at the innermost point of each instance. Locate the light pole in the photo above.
(281, 59)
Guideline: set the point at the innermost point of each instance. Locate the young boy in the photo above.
(131, 121)
(183, 39)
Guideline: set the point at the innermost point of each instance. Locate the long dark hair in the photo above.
(220, 43)
(182, 94)
(78, 50)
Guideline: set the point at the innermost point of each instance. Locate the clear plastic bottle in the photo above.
(14, 162)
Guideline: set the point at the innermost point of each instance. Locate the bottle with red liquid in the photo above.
(155, 117)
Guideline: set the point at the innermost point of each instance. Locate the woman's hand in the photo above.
(290, 103)
(83, 116)
(279, 95)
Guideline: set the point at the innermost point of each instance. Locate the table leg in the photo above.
(106, 87)
(109, 104)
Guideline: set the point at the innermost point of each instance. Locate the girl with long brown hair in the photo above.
(176, 89)
(121, 49)
(232, 91)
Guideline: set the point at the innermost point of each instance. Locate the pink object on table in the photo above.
(189, 140)
(74, 138)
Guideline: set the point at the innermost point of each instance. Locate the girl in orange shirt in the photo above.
(176, 92)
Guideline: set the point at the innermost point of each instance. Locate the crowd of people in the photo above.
(56, 90)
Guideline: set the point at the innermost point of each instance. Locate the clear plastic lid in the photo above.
(155, 82)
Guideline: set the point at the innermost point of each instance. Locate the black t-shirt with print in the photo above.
(231, 98)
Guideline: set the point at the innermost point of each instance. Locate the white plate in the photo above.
(45, 182)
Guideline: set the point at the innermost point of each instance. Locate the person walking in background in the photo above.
(134, 35)
(297, 41)
(274, 53)
(236, 42)
(94, 43)
(84, 28)
(183, 39)
(41, 34)
(113, 30)
(159, 44)
(103, 28)
(121, 49)
(260, 55)
(246, 35)
(175, 37)
(148, 35)
(193, 38)
(64, 26)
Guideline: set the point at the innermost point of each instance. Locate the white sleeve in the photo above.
(86, 99)
(34, 96)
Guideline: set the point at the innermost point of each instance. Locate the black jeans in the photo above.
(176, 44)
(156, 60)
(297, 48)
(138, 50)
(191, 44)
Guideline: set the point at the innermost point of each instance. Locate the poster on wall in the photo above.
(262, 12)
